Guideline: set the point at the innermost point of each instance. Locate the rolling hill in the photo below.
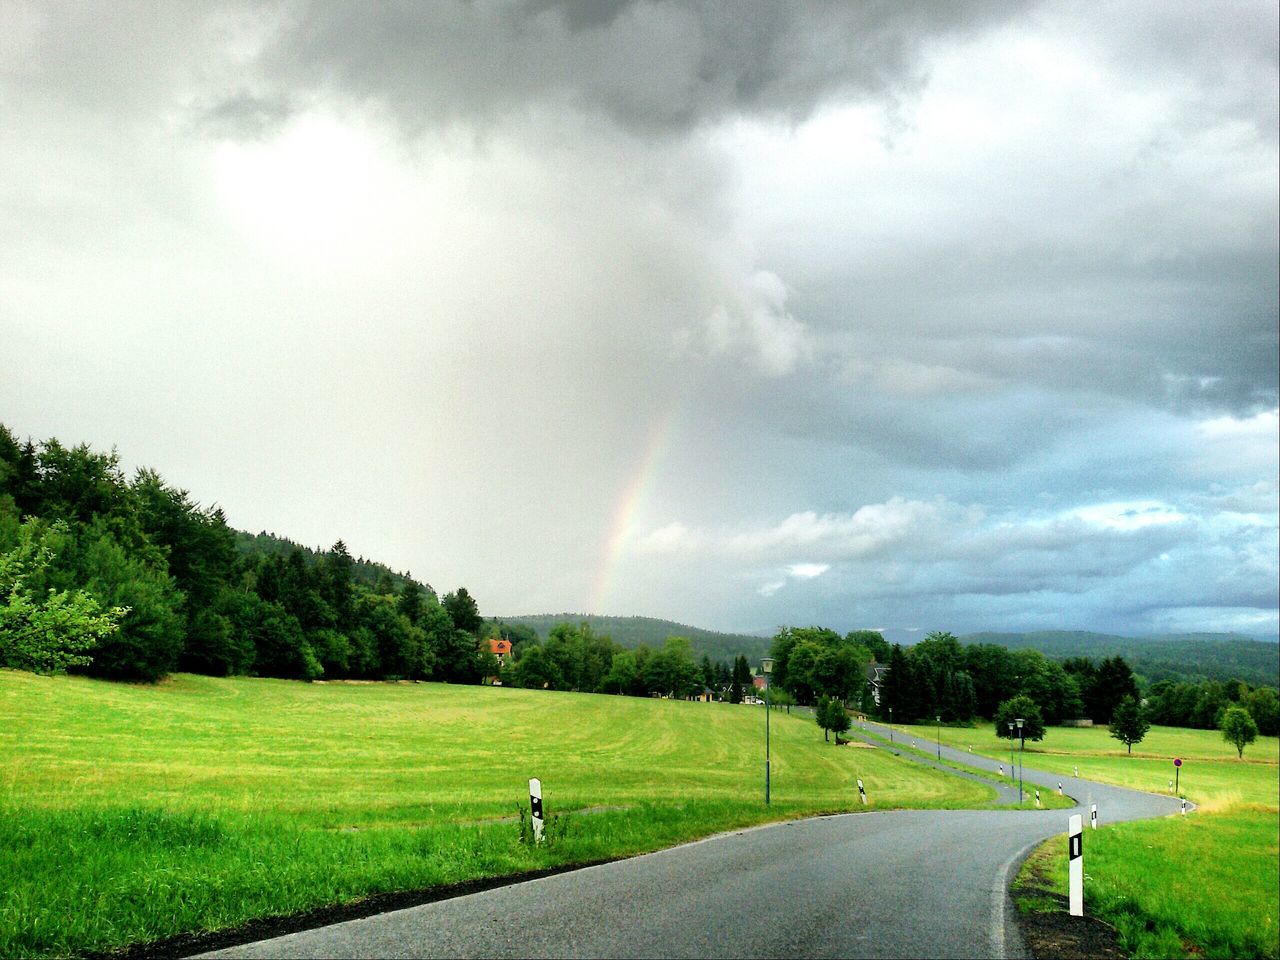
(1190, 657)
(631, 632)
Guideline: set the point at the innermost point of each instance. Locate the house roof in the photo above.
(499, 646)
(876, 671)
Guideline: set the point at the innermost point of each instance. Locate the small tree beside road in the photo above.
(1129, 722)
(831, 716)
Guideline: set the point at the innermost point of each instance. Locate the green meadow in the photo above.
(132, 813)
(1049, 801)
(1211, 774)
(1204, 885)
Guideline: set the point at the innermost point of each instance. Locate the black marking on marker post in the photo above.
(862, 791)
(1075, 865)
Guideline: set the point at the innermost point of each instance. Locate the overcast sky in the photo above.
(916, 316)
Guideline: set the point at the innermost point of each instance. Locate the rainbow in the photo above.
(633, 496)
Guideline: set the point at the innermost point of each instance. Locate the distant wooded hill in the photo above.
(1189, 657)
(631, 632)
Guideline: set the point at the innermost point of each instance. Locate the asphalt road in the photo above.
(900, 883)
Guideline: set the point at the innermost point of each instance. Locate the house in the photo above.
(706, 696)
(876, 673)
(502, 650)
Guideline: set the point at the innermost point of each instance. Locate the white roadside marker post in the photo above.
(1075, 865)
(1002, 769)
(1059, 788)
(1077, 771)
(1171, 786)
(535, 808)
(1093, 816)
(862, 792)
(1184, 806)
(971, 748)
(1037, 798)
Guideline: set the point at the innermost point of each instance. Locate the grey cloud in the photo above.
(244, 116)
(663, 64)
(1223, 55)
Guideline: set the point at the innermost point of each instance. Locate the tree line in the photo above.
(575, 657)
(130, 579)
(941, 678)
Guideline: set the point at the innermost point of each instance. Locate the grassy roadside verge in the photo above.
(1203, 885)
(134, 814)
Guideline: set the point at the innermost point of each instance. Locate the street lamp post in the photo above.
(939, 737)
(1022, 745)
(766, 667)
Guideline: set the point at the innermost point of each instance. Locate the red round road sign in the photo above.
(1178, 762)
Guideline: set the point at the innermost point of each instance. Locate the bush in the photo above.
(56, 632)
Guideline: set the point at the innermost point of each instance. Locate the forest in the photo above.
(131, 579)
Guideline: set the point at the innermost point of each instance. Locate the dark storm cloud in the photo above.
(647, 65)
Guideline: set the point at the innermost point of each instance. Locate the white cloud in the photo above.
(1128, 516)
(807, 571)
(755, 323)
(866, 531)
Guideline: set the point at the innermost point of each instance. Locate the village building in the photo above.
(502, 650)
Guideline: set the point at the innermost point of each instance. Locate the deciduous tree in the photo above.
(1129, 722)
(1238, 729)
(49, 633)
(1024, 707)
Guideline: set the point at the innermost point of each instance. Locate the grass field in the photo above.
(1204, 885)
(132, 813)
(1049, 801)
(1211, 773)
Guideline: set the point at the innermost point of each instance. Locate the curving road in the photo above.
(897, 883)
